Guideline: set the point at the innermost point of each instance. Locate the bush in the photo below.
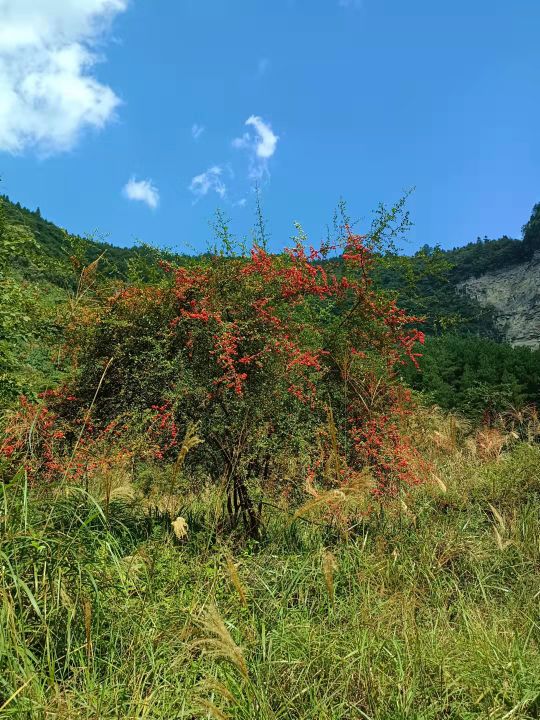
(288, 371)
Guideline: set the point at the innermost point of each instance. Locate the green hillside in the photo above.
(424, 282)
(56, 245)
(431, 272)
(456, 373)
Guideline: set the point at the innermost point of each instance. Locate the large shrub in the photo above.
(290, 372)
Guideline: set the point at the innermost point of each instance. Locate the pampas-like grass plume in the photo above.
(235, 580)
(218, 642)
(211, 710)
(440, 483)
(498, 517)
(499, 529)
(191, 440)
(501, 543)
(87, 605)
(329, 566)
(212, 685)
(180, 528)
(332, 498)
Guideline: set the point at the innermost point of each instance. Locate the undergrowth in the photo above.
(427, 609)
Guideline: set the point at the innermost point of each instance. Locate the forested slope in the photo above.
(464, 365)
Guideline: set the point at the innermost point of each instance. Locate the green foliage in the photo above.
(424, 285)
(253, 351)
(29, 328)
(433, 611)
(483, 256)
(60, 256)
(426, 282)
(260, 233)
(15, 306)
(531, 232)
(474, 375)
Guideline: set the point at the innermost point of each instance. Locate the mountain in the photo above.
(489, 288)
(57, 245)
(486, 288)
(513, 293)
(471, 298)
(504, 277)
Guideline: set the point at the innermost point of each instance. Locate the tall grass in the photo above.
(422, 613)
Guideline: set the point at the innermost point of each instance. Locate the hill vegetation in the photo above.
(49, 263)
(57, 245)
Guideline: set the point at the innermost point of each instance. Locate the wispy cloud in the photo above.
(48, 93)
(208, 181)
(240, 203)
(350, 3)
(142, 191)
(197, 131)
(266, 140)
(260, 144)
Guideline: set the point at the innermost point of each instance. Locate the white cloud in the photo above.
(267, 141)
(242, 142)
(240, 203)
(197, 131)
(210, 180)
(261, 145)
(143, 191)
(48, 93)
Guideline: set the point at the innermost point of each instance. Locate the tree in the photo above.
(289, 372)
(531, 232)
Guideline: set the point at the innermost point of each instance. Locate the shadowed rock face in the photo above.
(514, 294)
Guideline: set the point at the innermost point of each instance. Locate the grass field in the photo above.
(427, 610)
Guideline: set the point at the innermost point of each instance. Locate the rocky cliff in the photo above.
(514, 294)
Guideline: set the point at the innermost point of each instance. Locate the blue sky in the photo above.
(128, 118)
